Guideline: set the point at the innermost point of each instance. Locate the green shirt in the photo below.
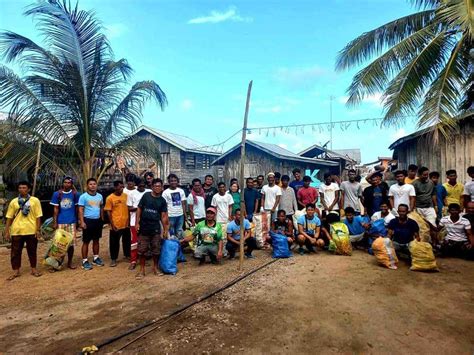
(206, 234)
(424, 193)
(236, 198)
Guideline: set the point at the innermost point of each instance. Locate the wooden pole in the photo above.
(242, 177)
(38, 159)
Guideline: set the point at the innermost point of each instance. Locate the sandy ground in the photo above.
(307, 304)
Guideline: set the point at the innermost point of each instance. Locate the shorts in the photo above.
(151, 241)
(206, 250)
(93, 230)
(71, 228)
(429, 214)
(356, 237)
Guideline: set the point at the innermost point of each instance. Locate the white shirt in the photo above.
(128, 192)
(199, 209)
(469, 189)
(378, 215)
(457, 231)
(401, 194)
(329, 192)
(271, 194)
(174, 200)
(133, 199)
(222, 204)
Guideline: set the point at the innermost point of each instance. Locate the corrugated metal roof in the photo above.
(182, 142)
(278, 152)
(316, 150)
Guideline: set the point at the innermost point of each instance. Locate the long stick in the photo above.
(242, 182)
(38, 158)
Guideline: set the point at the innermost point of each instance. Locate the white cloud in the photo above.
(115, 30)
(399, 134)
(277, 105)
(374, 99)
(186, 104)
(299, 77)
(216, 17)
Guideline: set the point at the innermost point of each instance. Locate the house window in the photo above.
(206, 162)
(190, 161)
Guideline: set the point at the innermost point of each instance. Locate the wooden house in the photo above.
(180, 155)
(262, 158)
(456, 153)
(344, 161)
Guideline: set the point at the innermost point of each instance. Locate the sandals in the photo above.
(12, 277)
(139, 276)
(36, 274)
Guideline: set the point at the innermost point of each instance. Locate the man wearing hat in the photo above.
(65, 202)
(209, 238)
(376, 194)
(271, 194)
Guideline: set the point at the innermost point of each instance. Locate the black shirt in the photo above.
(208, 194)
(403, 233)
(150, 218)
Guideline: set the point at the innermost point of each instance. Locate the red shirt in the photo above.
(307, 195)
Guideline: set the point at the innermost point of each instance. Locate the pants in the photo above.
(114, 242)
(18, 242)
(250, 243)
(206, 249)
(356, 237)
(176, 226)
(93, 230)
(147, 242)
(273, 215)
(429, 214)
(402, 250)
(133, 245)
(457, 249)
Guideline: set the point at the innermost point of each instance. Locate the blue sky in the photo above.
(204, 53)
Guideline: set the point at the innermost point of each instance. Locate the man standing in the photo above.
(23, 227)
(117, 211)
(440, 193)
(131, 180)
(91, 216)
(176, 201)
(307, 194)
(459, 240)
(425, 200)
(402, 230)
(222, 202)
(309, 226)
(209, 238)
(148, 179)
(401, 192)
(251, 197)
(351, 193)
(468, 193)
(411, 175)
(453, 188)
(288, 199)
(209, 190)
(329, 192)
(233, 237)
(65, 213)
(133, 200)
(271, 195)
(152, 213)
(277, 178)
(196, 202)
(259, 180)
(297, 182)
(375, 195)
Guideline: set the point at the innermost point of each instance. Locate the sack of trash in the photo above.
(340, 239)
(280, 246)
(262, 227)
(385, 253)
(422, 256)
(60, 243)
(377, 228)
(169, 256)
(423, 224)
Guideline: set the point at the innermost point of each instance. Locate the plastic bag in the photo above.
(61, 242)
(280, 246)
(169, 256)
(340, 238)
(422, 257)
(385, 252)
(423, 224)
(377, 228)
(262, 227)
(297, 215)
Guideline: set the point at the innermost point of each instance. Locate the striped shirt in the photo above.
(456, 231)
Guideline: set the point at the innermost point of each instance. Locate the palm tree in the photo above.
(423, 65)
(72, 96)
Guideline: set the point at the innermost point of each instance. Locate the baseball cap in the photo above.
(211, 209)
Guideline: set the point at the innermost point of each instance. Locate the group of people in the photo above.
(142, 212)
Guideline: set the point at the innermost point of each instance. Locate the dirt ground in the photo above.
(313, 303)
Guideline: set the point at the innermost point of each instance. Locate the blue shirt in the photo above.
(355, 228)
(378, 198)
(66, 201)
(295, 185)
(250, 196)
(91, 204)
(234, 228)
(309, 225)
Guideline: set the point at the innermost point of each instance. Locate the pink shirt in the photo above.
(307, 195)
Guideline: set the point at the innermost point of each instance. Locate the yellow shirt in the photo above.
(24, 225)
(117, 205)
(408, 180)
(454, 192)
